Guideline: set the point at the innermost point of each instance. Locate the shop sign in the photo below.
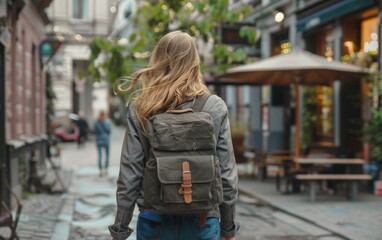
(47, 49)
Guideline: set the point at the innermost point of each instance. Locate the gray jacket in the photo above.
(135, 148)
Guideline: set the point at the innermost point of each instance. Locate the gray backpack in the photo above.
(182, 174)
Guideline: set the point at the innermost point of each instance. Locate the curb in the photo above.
(61, 229)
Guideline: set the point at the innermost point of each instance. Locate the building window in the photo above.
(369, 35)
(80, 9)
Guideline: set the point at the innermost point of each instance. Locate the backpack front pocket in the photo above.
(171, 178)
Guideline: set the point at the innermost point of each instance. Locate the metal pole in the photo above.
(2, 123)
(297, 119)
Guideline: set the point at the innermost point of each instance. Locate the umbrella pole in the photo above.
(297, 120)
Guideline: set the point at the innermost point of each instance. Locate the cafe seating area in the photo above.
(316, 172)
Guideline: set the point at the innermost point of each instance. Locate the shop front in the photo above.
(334, 114)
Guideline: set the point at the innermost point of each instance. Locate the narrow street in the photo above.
(93, 198)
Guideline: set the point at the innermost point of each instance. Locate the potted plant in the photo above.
(373, 130)
(373, 136)
(238, 131)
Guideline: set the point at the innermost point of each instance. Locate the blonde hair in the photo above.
(173, 76)
(102, 115)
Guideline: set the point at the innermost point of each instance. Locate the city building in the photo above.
(74, 23)
(23, 124)
(335, 29)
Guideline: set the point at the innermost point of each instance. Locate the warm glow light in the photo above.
(78, 37)
(142, 55)
(56, 28)
(279, 17)
(350, 46)
(286, 47)
(60, 37)
(190, 6)
(122, 41)
(113, 9)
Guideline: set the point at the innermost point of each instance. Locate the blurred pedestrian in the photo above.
(102, 130)
(83, 128)
(173, 83)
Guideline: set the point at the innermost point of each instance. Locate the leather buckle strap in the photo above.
(202, 219)
(186, 187)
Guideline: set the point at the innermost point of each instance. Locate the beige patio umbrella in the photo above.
(297, 67)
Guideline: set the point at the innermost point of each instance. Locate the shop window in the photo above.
(324, 112)
(280, 43)
(320, 98)
(369, 35)
(80, 9)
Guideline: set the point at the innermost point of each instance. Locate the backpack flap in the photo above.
(182, 132)
(170, 175)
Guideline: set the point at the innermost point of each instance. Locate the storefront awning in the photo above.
(331, 13)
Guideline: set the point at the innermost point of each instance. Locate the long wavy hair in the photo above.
(172, 76)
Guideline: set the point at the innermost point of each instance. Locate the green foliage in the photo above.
(154, 19)
(373, 130)
(309, 115)
(250, 33)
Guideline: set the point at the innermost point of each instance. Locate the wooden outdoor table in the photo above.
(279, 158)
(326, 161)
(314, 176)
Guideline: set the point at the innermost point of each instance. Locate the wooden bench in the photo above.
(314, 178)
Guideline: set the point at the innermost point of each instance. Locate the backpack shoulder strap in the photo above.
(200, 101)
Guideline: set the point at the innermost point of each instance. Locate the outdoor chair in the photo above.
(7, 218)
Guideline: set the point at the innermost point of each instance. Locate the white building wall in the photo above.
(74, 51)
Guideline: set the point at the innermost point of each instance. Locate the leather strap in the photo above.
(186, 188)
(202, 219)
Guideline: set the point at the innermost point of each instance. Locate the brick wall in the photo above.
(25, 85)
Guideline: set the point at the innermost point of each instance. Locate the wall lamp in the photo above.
(279, 16)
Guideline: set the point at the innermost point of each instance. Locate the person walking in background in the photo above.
(83, 128)
(102, 130)
(172, 83)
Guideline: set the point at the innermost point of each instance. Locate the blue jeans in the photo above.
(99, 147)
(178, 228)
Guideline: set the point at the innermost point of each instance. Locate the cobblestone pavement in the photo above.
(359, 220)
(39, 216)
(94, 205)
(261, 222)
(89, 206)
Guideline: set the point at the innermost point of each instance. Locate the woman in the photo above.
(172, 78)
(102, 130)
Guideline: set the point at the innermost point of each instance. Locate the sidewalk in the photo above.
(41, 213)
(360, 220)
